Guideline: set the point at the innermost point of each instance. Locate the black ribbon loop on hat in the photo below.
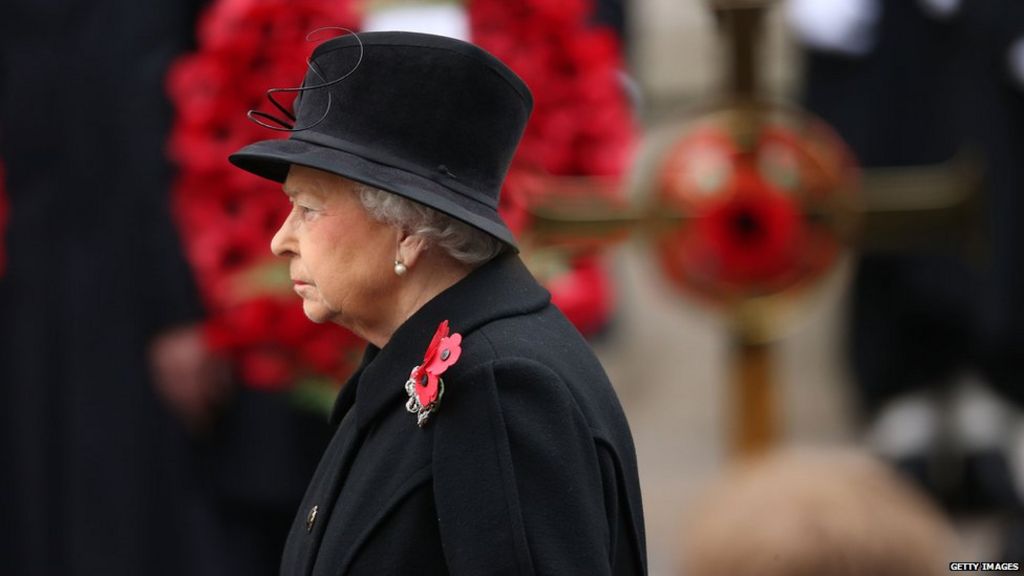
(283, 125)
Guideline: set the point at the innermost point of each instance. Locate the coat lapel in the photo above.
(366, 512)
(308, 528)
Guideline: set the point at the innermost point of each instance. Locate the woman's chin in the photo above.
(316, 312)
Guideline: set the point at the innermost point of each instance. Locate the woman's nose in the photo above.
(283, 242)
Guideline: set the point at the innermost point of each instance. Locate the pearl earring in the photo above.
(400, 268)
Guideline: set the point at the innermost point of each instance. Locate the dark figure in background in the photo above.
(994, 101)
(114, 460)
(96, 295)
(993, 91)
(912, 83)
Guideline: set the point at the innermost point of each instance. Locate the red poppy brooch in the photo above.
(425, 386)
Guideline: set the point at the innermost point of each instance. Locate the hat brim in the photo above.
(271, 159)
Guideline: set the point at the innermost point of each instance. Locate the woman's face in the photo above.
(341, 260)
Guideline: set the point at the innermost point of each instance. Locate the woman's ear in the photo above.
(410, 248)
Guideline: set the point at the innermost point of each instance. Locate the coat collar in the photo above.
(503, 287)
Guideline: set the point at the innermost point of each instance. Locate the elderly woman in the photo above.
(479, 435)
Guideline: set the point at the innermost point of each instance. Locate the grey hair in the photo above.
(461, 241)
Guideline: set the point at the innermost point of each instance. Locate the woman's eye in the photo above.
(302, 209)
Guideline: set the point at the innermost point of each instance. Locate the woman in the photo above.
(480, 434)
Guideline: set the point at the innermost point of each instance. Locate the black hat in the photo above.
(431, 118)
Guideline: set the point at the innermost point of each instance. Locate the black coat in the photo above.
(527, 467)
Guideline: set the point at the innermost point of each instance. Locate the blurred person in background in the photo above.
(102, 363)
(815, 512)
(935, 341)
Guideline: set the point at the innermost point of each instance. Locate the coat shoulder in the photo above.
(545, 350)
(532, 439)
